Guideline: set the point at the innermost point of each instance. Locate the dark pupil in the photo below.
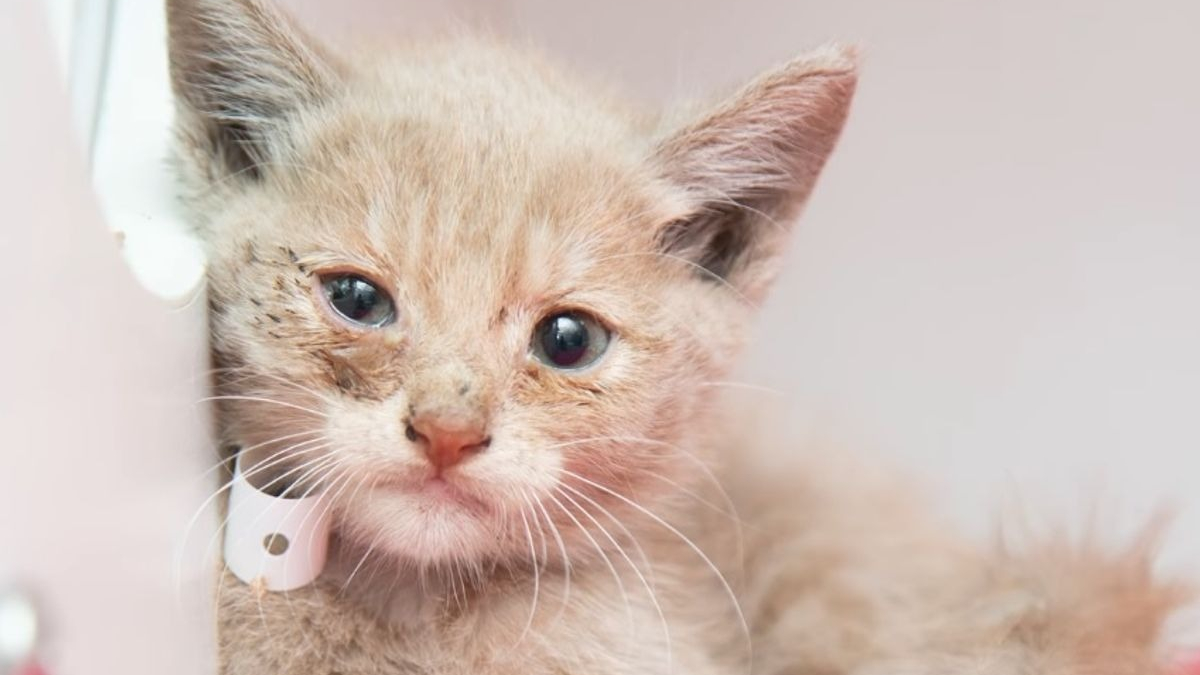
(565, 340)
(353, 297)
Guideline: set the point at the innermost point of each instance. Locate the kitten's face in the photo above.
(471, 301)
(473, 260)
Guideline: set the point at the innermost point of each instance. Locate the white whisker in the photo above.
(261, 399)
(223, 463)
(220, 529)
(536, 576)
(624, 530)
(745, 385)
(607, 561)
(745, 625)
(562, 549)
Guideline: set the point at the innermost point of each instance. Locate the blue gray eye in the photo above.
(570, 340)
(358, 301)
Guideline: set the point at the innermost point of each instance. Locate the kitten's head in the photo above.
(470, 296)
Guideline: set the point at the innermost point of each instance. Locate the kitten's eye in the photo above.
(357, 300)
(569, 340)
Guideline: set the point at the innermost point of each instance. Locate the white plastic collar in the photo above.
(279, 542)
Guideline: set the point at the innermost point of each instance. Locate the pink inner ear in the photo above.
(767, 143)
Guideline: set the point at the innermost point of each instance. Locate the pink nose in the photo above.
(444, 442)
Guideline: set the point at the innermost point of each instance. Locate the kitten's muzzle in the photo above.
(449, 413)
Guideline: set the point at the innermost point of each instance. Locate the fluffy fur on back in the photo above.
(853, 575)
(618, 517)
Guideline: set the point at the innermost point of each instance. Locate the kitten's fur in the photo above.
(483, 188)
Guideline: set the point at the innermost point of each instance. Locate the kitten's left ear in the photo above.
(747, 167)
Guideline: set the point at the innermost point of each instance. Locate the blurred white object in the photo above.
(19, 626)
(122, 103)
(130, 147)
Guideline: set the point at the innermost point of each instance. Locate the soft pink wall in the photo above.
(999, 278)
(102, 441)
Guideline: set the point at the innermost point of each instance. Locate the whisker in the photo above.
(681, 322)
(624, 530)
(745, 385)
(220, 530)
(287, 598)
(696, 266)
(271, 460)
(536, 576)
(225, 460)
(537, 525)
(745, 625)
(562, 549)
(607, 561)
(370, 547)
(249, 374)
(662, 617)
(730, 511)
(288, 493)
(261, 399)
(739, 534)
(267, 462)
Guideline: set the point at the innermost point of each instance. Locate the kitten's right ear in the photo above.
(240, 69)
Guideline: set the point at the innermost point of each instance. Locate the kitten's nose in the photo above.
(446, 442)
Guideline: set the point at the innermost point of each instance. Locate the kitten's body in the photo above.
(589, 529)
(844, 572)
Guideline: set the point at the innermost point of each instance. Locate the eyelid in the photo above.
(585, 311)
(600, 306)
(333, 269)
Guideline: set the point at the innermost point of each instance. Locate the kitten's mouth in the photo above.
(438, 488)
(433, 492)
(424, 518)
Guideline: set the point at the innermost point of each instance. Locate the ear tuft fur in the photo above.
(239, 68)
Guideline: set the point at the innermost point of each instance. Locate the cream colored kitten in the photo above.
(485, 308)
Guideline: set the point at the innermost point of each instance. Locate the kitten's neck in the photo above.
(409, 596)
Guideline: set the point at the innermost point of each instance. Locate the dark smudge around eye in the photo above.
(345, 376)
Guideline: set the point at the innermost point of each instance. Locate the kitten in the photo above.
(487, 309)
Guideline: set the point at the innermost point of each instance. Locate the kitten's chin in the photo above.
(429, 525)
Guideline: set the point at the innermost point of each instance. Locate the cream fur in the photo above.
(483, 189)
